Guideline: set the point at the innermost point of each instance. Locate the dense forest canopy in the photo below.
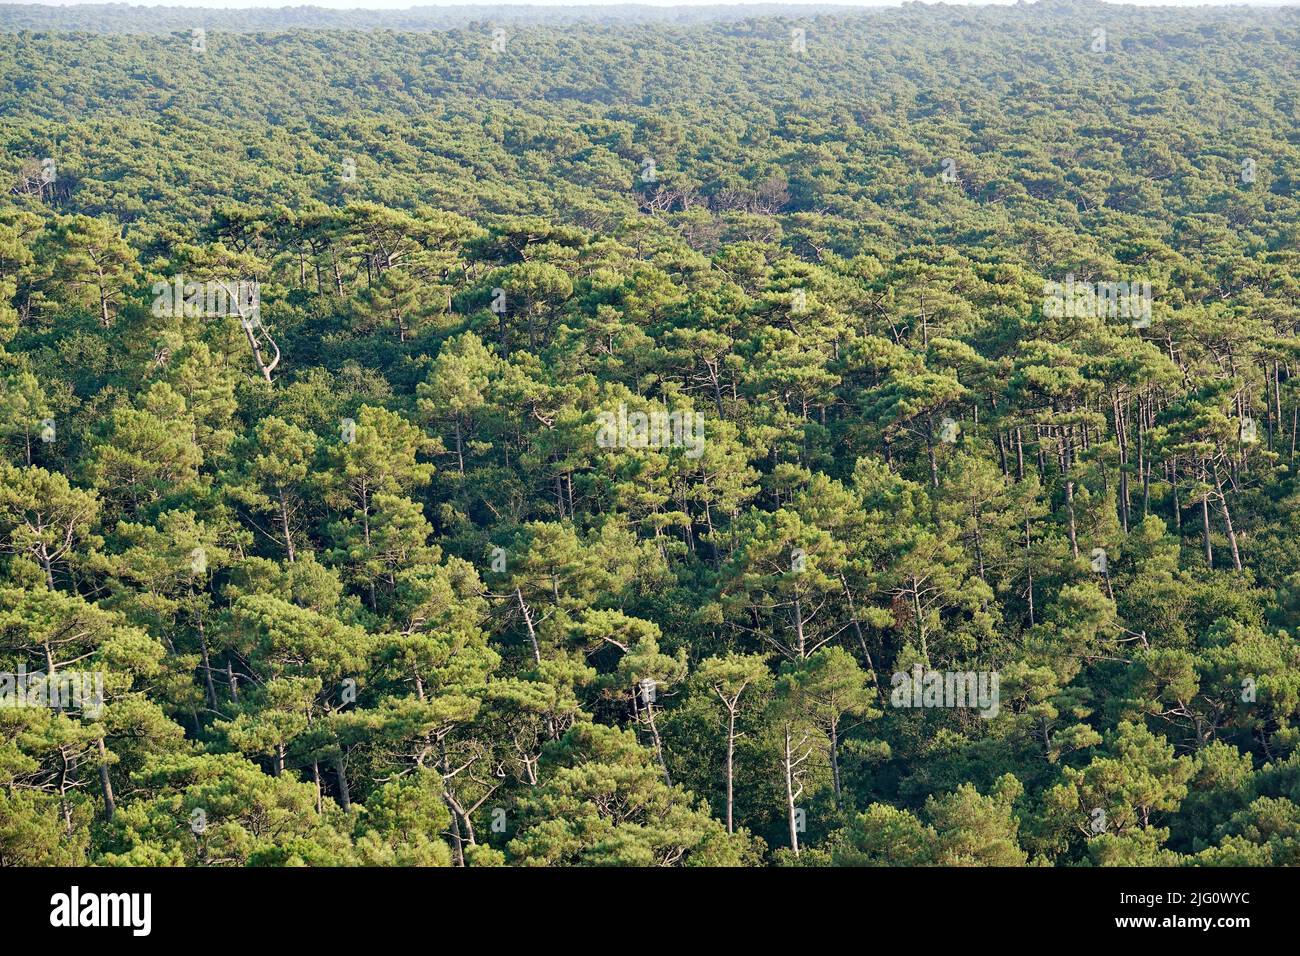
(746, 437)
(121, 18)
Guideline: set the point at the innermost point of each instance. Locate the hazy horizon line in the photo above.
(405, 5)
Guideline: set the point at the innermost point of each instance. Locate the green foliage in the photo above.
(628, 417)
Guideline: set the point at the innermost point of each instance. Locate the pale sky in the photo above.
(408, 5)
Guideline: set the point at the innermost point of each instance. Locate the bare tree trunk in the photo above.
(528, 620)
(659, 746)
(790, 793)
(929, 446)
(207, 670)
(731, 757)
(1227, 520)
(106, 781)
(1029, 591)
(284, 525)
(457, 841)
(1069, 504)
(1205, 530)
(1178, 506)
(800, 641)
(1121, 434)
(835, 766)
(345, 798)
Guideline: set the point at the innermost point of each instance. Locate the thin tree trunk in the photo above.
(345, 799)
(929, 446)
(528, 620)
(1205, 530)
(1069, 503)
(106, 781)
(835, 766)
(284, 525)
(207, 670)
(731, 757)
(800, 642)
(789, 793)
(659, 746)
(1227, 520)
(1029, 564)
